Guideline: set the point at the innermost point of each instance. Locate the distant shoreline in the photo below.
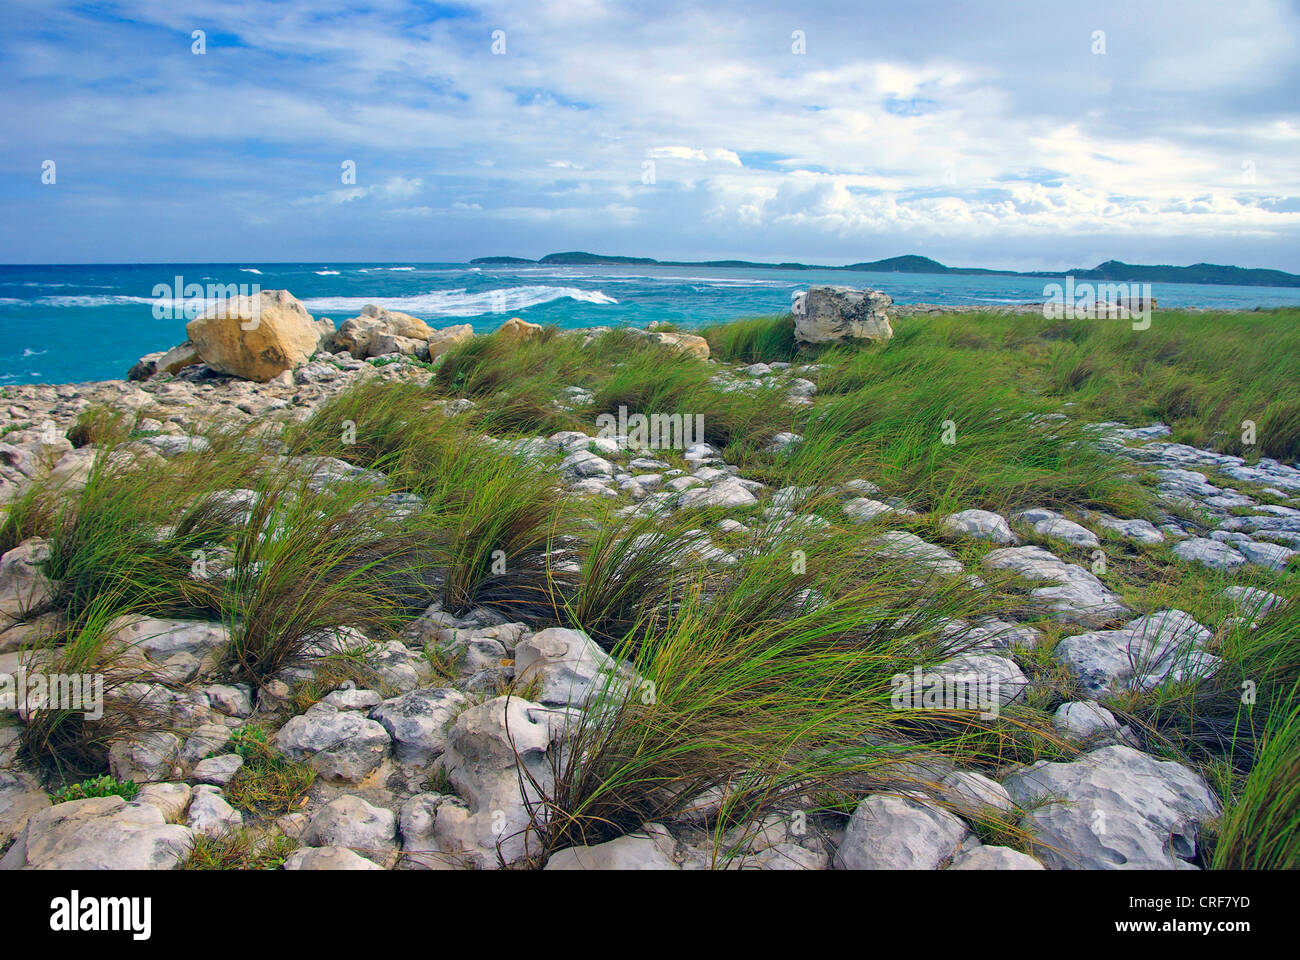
(1111, 270)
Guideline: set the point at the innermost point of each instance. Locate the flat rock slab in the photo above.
(1075, 594)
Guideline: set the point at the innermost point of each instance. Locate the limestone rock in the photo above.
(255, 338)
(831, 314)
(898, 833)
(1114, 809)
(99, 833)
(341, 745)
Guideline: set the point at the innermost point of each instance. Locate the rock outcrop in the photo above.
(840, 314)
(256, 338)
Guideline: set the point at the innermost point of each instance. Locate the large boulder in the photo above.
(100, 833)
(898, 833)
(516, 330)
(486, 747)
(341, 744)
(837, 314)
(1114, 809)
(440, 341)
(24, 588)
(377, 331)
(255, 338)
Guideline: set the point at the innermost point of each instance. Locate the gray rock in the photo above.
(149, 757)
(1114, 809)
(24, 588)
(1142, 654)
(327, 858)
(417, 722)
(980, 524)
(569, 665)
(970, 793)
(634, 851)
(170, 799)
(485, 746)
(351, 822)
(910, 548)
(20, 797)
(233, 700)
(727, 493)
(994, 858)
(1076, 595)
(1209, 553)
(340, 745)
(1138, 531)
(210, 814)
(217, 770)
(1049, 523)
(351, 698)
(898, 833)
(831, 314)
(1082, 719)
(99, 833)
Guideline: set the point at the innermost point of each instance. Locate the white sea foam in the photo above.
(458, 303)
(250, 270)
(327, 273)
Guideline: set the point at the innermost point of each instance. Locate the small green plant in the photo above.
(101, 786)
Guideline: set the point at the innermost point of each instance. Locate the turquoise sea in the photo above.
(65, 324)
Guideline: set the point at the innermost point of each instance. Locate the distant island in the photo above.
(1112, 270)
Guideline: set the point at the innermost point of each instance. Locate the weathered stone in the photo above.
(1144, 653)
(1082, 719)
(994, 858)
(1077, 596)
(484, 747)
(255, 338)
(351, 822)
(20, 797)
(568, 664)
(634, 851)
(99, 833)
(24, 588)
(328, 858)
(417, 722)
(340, 745)
(1114, 809)
(898, 833)
(515, 330)
(830, 314)
(210, 814)
(981, 524)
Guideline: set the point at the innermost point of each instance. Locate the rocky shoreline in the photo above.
(421, 769)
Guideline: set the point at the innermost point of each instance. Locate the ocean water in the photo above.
(67, 324)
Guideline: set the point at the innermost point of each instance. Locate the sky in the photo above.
(1021, 135)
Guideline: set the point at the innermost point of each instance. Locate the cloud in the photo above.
(961, 130)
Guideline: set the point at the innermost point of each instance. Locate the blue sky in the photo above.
(1015, 134)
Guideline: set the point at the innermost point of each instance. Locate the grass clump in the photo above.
(241, 848)
(267, 783)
